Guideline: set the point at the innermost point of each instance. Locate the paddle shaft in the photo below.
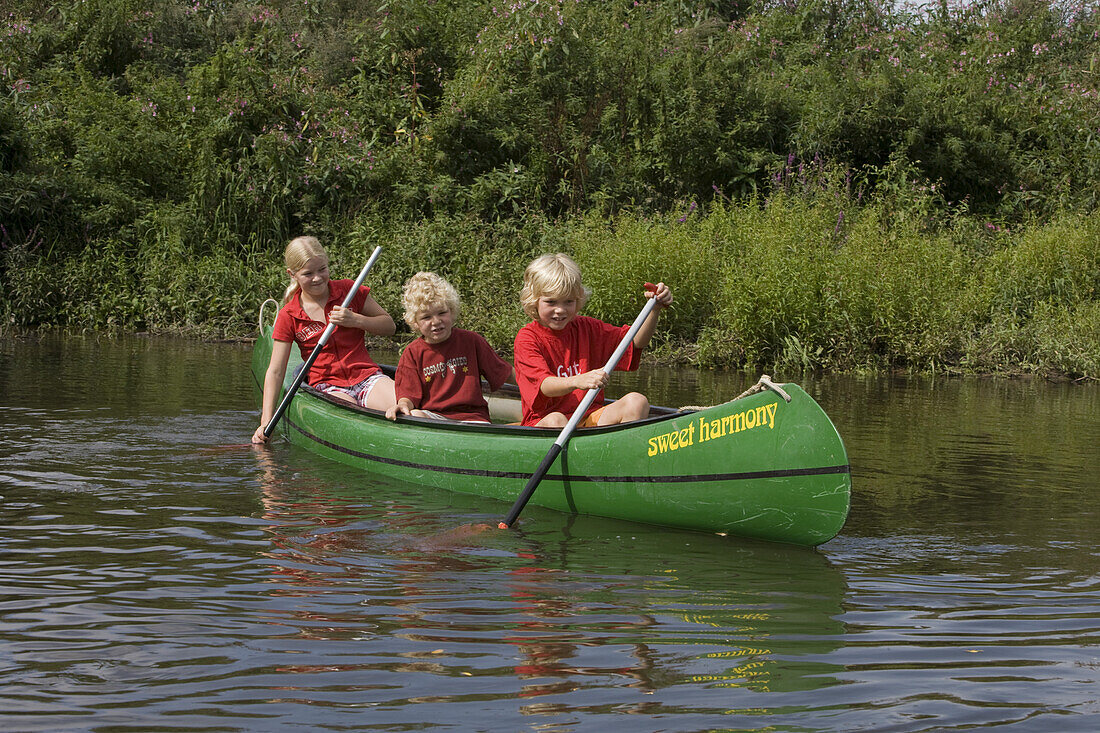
(578, 415)
(300, 377)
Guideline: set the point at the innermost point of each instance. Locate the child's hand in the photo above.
(341, 316)
(258, 437)
(660, 292)
(595, 379)
(400, 408)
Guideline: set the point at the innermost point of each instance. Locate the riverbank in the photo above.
(782, 284)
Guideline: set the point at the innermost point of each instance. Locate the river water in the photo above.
(158, 575)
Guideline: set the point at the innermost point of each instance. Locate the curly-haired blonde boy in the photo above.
(439, 374)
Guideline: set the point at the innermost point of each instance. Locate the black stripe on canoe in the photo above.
(743, 475)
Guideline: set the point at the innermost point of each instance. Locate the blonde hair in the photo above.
(425, 289)
(299, 251)
(552, 276)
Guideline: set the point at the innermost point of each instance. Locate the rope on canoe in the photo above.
(262, 307)
(765, 382)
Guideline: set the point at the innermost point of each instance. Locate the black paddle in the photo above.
(317, 349)
(570, 426)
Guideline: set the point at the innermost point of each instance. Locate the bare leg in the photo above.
(553, 420)
(629, 407)
(341, 396)
(382, 396)
(428, 414)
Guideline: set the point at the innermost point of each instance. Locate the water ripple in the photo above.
(158, 575)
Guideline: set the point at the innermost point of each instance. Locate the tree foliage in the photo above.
(140, 137)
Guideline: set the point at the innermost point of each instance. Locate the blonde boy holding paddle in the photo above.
(560, 355)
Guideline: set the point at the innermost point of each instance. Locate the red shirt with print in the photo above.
(583, 345)
(345, 360)
(446, 377)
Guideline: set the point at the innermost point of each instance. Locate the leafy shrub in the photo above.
(1067, 339)
(770, 291)
(618, 256)
(873, 185)
(806, 287)
(484, 263)
(1056, 264)
(894, 295)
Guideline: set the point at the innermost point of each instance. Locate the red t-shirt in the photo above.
(446, 377)
(583, 345)
(345, 360)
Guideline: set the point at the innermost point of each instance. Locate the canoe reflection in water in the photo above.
(385, 592)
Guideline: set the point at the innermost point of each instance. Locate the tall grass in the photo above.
(783, 284)
(618, 256)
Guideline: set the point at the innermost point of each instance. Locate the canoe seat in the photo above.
(502, 409)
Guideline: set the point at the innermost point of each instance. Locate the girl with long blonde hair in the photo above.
(344, 368)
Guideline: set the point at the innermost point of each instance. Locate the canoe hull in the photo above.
(756, 467)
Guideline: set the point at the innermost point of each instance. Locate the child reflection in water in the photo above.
(551, 642)
(317, 545)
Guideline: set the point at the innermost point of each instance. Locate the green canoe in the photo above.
(758, 466)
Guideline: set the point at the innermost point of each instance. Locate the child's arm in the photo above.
(561, 386)
(495, 370)
(663, 296)
(273, 380)
(406, 386)
(495, 385)
(371, 318)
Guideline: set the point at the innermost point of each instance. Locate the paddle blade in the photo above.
(212, 449)
(461, 535)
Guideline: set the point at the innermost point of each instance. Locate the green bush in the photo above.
(805, 286)
(1067, 339)
(618, 256)
(775, 262)
(1056, 264)
(824, 185)
(484, 263)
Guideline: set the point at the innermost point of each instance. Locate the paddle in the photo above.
(320, 345)
(578, 414)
